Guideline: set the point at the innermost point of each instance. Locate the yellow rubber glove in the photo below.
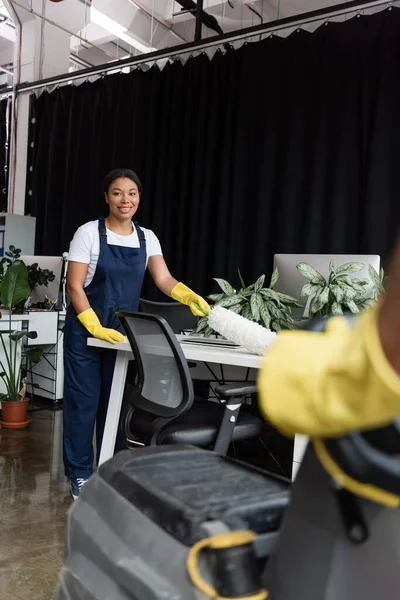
(90, 321)
(183, 294)
(328, 384)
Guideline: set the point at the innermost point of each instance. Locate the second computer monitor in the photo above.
(291, 281)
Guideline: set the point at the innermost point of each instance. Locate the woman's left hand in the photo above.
(196, 303)
(178, 291)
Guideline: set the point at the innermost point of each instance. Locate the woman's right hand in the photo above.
(75, 281)
(91, 322)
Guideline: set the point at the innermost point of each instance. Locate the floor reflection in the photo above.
(34, 499)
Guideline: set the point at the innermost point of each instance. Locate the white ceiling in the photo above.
(118, 29)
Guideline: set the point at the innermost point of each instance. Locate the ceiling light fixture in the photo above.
(118, 30)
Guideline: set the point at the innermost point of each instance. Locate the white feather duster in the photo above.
(251, 336)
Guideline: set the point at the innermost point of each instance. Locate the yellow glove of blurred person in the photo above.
(183, 294)
(90, 321)
(328, 384)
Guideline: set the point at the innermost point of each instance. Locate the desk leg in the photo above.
(114, 407)
(300, 445)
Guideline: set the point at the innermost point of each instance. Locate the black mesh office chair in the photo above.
(159, 407)
(177, 315)
(179, 318)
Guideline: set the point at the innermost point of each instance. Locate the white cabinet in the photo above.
(48, 374)
(18, 231)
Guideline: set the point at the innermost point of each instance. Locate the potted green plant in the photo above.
(14, 289)
(378, 281)
(255, 302)
(338, 294)
(36, 275)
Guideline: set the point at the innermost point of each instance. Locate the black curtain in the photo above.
(286, 145)
(4, 145)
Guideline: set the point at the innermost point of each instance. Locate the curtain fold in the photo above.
(285, 145)
(4, 154)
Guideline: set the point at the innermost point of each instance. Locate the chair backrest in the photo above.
(164, 386)
(177, 315)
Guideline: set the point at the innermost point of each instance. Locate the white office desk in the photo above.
(197, 352)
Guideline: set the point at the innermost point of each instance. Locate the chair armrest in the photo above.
(236, 390)
(232, 396)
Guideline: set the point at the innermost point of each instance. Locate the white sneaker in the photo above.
(76, 485)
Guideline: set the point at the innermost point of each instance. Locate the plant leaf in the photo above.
(310, 289)
(237, 308)
(318, 282)
(360, 281)
(255, 304)
(271, 295)
(274, 310)
(34, 354)
(202, 324)
(246, 313)
(360, 289)
(351, 267)
(289, 322)
(309, 272)
(275, 326)
(349, 293)
(225, 286)
(289, 300)
(216, 297)
(376, 280)
(337, 292)
(323, 298)
(259, 283)
(208, 332)
(353, 306)
(229, 301)
(314, 305)
(345, 279)
(15, 336)
(242, 283)
(336, 309)
(274, 278)
(14, 286)
(265, 315)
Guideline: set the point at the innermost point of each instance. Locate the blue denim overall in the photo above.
(88, 371)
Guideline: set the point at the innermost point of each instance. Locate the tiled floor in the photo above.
(34, 499)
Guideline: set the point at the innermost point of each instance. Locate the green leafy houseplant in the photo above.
(36, 275)
(257, 303)
(14, 288)
(378, 280)
(339, 293)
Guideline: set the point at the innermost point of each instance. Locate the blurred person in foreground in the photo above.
(346, 378)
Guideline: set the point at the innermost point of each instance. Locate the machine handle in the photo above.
(219, 542)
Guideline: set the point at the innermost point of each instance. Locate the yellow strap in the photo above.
(364, 490)
(224, 540)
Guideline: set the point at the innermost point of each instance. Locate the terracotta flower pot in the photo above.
(13, 414)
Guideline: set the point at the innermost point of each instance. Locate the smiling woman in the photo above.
(107, 262)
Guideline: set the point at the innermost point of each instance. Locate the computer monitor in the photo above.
(291, 281)
(52, 263)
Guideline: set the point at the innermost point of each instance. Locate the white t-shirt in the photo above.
(85, 245)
